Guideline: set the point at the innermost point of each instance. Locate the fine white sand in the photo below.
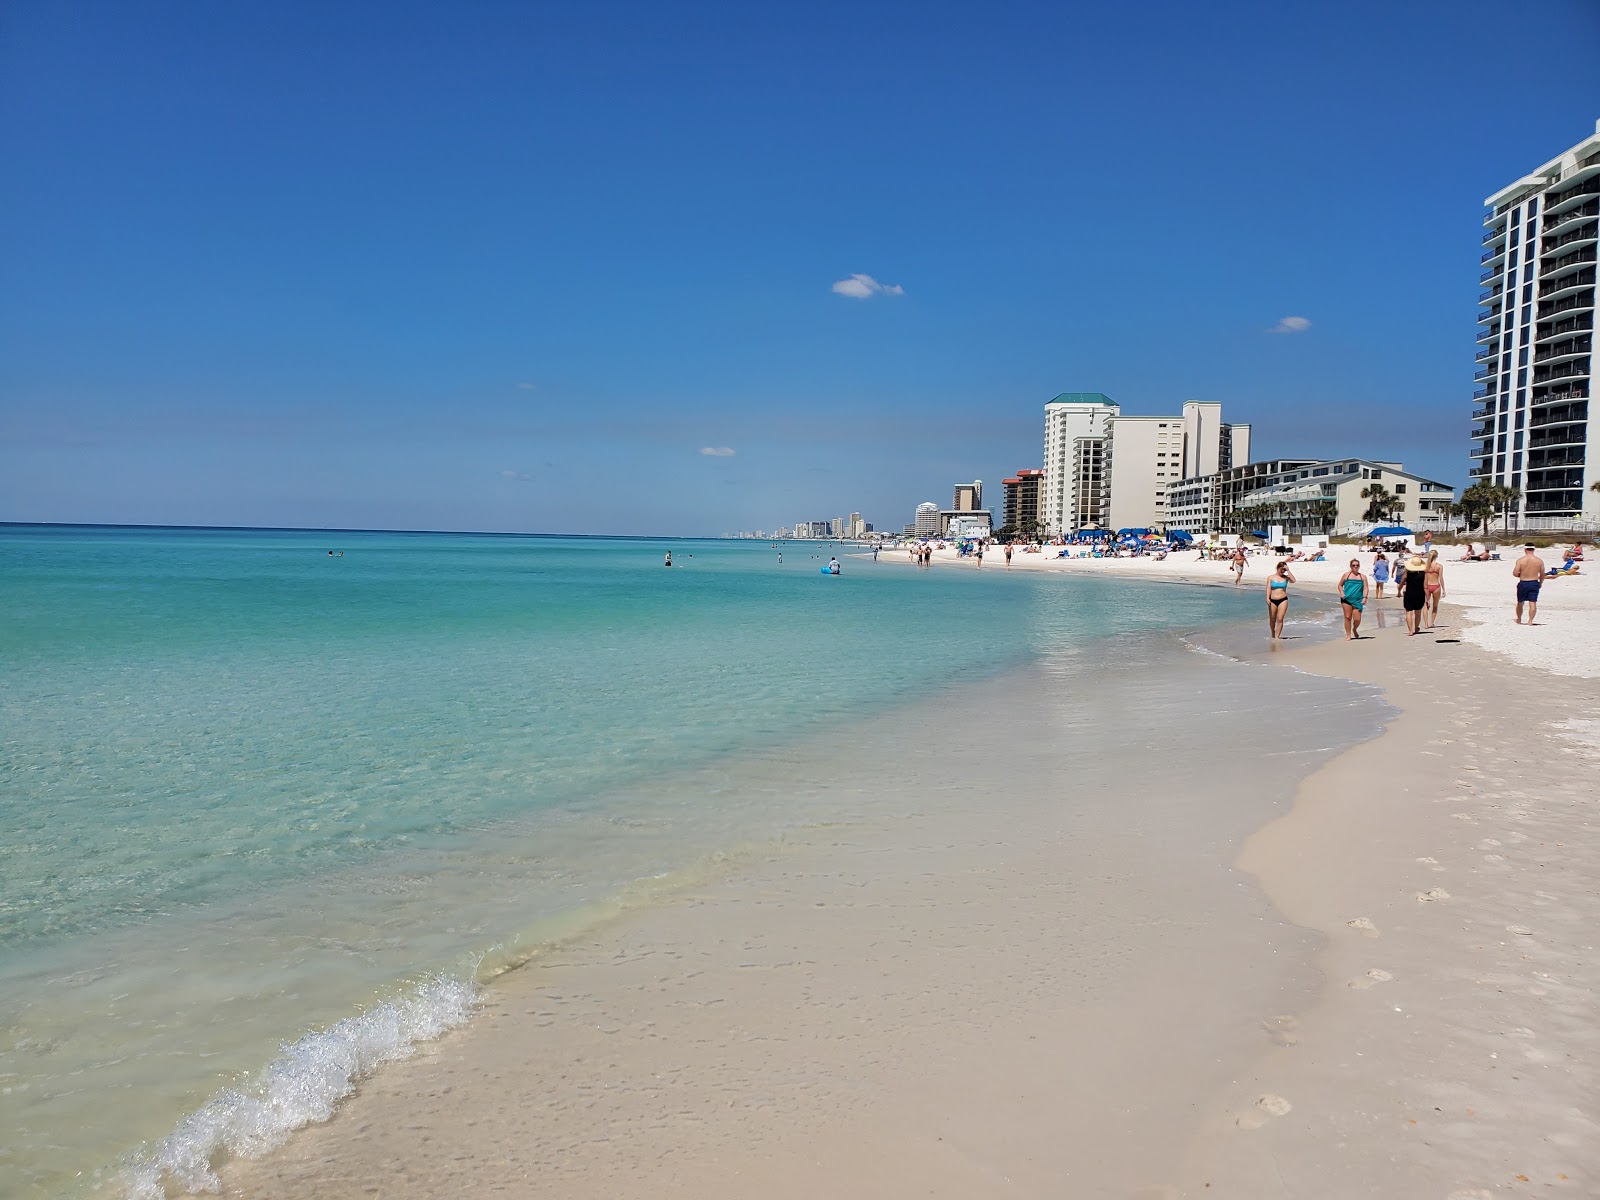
(826, 1024)
(1564, 641)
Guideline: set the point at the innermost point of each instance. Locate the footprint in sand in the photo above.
(1519, 930)
(1433, 894)
(1266, 1108)
(1284, 1030)
(1364, 926)
(1376, 975)
(1430, 861)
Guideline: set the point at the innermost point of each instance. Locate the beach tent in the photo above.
(1180, 535)
(1389, 531)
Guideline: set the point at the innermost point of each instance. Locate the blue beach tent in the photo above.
(1180, 535)
(1389, 531)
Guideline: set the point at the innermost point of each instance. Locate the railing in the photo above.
(1487, 354)
(1573, 457)
(1591, 188)
(1477, 472)
(1573, 433)
(1480, 393)
(1479, 413)
(1557, 416)
(1479, 375)
(1573, 345)
(1497, 232)
(1560, 306)
(1491, 295)
(1496, 253)
(1571, 324)
(1581, 279)
(1577, 214)
(1576, 259)
(1577, 235)
(1572, 524)
(1481, 431)
(1565, 371)
(1488, 275)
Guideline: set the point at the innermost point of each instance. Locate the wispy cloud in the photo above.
(520, 476)
(524, 386)
(1291, 325)
(864, 287)
(717, 451)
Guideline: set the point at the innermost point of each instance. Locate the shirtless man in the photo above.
(1529, 574)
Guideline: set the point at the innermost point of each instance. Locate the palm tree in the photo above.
(1508, 498)
(1380, 502)
(1325, 512)
(1478, 502)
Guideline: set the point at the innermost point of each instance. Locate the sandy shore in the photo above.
(1405, 1008)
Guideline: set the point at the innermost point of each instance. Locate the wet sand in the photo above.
(1186, 989)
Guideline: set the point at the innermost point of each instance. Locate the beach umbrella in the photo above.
(1180, 535)
(1389, 531)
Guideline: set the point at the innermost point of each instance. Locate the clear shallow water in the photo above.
(248, 791)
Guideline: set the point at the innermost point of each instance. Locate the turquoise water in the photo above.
(249, 791)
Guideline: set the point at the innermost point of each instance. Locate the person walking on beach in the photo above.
(980, 555)
(1238, 565)
(1529, 574)
(1380, 572)
(1008, 556)
(1278, 599)
(1352, 598)
(1433, 585)
(1413, 593)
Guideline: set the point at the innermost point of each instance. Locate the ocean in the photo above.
(271, 817)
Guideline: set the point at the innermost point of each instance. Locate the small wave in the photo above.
(300, 1087)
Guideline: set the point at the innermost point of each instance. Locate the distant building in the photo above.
(1022, 498)
(964, 524)
(1073, 492)
(928, 522)
(968, 497)
(1532, 428)
(1143, 458)
(1295, 490)
(855, 527)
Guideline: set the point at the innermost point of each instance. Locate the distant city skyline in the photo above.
(406, 269)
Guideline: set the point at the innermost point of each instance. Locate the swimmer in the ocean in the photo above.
(668, 563)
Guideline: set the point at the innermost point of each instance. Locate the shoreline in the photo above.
(1452, 1012)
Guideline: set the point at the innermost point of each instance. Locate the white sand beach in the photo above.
(1395, 997)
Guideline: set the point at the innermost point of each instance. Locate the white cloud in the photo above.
(520, 476)
(863, 287)
(524, 386)
(1291, 325)
(717, 451)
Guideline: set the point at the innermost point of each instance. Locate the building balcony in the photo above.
(1573, 433)
(1479, 414)
(1488, 276)
(1581, 213)
(1495, 234)
(1493, 259)
(1484, 335)
(1575, 303)
(1568, 456)
(1566, 262)
(1481, 374)
(1480, 393)
(1487, 354)
(1478, 472)
(1583, 234)
(1481, 431)
(1490, 296)
(1564, 201)
(1577, 368)
(1555, 352)
(1578, 324)
(1572, 413)
(1567, 285)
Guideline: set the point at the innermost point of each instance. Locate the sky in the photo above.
(693, 268)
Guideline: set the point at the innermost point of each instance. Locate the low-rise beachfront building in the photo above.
(1308, 496)
(960, 525)
(1022, 498)
(1530, 422)
(1073, 493)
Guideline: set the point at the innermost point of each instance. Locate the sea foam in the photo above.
(300, 1087)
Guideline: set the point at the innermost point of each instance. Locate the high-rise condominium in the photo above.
(969, 496)
(1531, 427)
(1073, 496)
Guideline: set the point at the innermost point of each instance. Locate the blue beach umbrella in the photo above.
(1390, 531)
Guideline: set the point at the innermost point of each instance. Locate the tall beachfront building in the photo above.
(1073, 496)
(1143, 458)
(1531, 427)
(968, 497)
(1022, 497)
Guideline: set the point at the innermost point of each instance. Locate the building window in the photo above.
(1527, 312)
(1522, 357)
(1533, 208)
(1399, 489)
(1511, 263)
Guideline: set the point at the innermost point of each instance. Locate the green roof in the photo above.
(1083, 398)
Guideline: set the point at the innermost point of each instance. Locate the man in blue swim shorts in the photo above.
(1529, 574)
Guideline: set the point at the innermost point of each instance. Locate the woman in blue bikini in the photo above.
(1278, 599)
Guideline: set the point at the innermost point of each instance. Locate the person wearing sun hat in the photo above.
(1415, 594)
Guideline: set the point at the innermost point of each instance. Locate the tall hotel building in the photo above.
(1531, 427)
(1074, 492)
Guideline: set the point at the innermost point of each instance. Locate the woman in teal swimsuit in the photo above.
(1278, 599)
(1352, 597)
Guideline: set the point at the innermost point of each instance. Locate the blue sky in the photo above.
(514, 266)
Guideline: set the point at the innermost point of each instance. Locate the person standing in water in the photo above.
(1380, 572)
(1433, 586)
(1353, 598)
(668, 563)
(1008, 555)
(1238, 566)
(1278, 599)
